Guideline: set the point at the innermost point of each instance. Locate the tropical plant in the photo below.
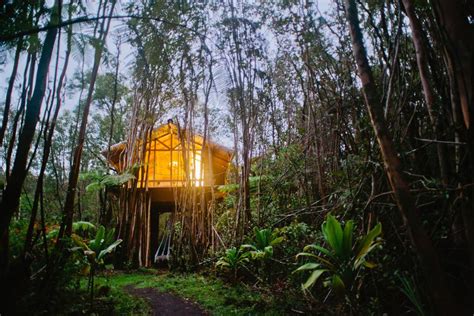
(83, 228)
(263, 243)
(343, 259)
(100, 181)
(80, 228)
(233, 260)
(96, 250)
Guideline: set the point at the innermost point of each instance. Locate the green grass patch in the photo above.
(107, 301)
(209, 292)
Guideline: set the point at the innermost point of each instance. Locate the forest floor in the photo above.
(160, 292)
(165, 304)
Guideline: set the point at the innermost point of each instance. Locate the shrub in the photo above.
(262, 246)
(342, 261)
(233, 260)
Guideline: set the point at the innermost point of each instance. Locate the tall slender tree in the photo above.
(423, 245)
(11, 197)
(66, 227)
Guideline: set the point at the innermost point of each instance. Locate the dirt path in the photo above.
(166, 304)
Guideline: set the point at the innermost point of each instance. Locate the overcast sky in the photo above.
(126, 58)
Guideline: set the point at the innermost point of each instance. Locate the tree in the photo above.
(12, 192)
(422, 243)
(104, 27)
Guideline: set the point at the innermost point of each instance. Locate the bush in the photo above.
(343, 259)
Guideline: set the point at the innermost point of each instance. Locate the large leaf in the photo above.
(233, 259)
(109, 249)
(83, 225)
(333, 234)
(347, 238)
(109, 236)
(319, 248)
(96, 244)
(222, 263)
(307, 266)
(268, 251)
(117, 179)
(248, 246)
(338, 285)
(276, 241)
(313, 278)
(369, 264)
(262, 238)
(326, 262)
(94, 186)
(365, 243)
(361, 259)
(79, 242)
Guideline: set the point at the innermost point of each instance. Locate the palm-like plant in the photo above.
(343, 259)
(233, 260)
(96, 250)
(262, 246)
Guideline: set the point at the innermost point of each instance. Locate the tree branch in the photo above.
(84, 19)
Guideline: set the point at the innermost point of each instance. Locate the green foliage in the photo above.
(228, 188)
(256, 253)
(100, 181)
(254, 181)
(98, 248)
(83, 228)
(233, 260)
(17, 235)
(110, 300)
(343, 259)
(211, 293)
(263, 243)
(104, 92)
(296, 235)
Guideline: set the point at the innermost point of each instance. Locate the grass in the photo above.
(107, 301)
(209, 292)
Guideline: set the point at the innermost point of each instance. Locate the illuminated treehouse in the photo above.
(177, 169)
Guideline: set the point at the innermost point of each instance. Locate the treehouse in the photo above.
(172, 159)
(173, 162)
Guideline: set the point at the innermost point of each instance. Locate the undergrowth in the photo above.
(209, 292)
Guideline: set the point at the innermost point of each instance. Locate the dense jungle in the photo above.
(237, 157)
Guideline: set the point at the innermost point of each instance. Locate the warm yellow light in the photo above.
(173, 164)
(195, 169)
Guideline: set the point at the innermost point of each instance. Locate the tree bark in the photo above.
(17, 177)
(48, 137)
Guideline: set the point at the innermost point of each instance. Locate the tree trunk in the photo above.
(48, 137)
(457, 34)
(434, 274)
(11, 83)
(417, 36)
(17, 177)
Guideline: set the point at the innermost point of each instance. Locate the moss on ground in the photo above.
(209, 292)
(107, 301)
